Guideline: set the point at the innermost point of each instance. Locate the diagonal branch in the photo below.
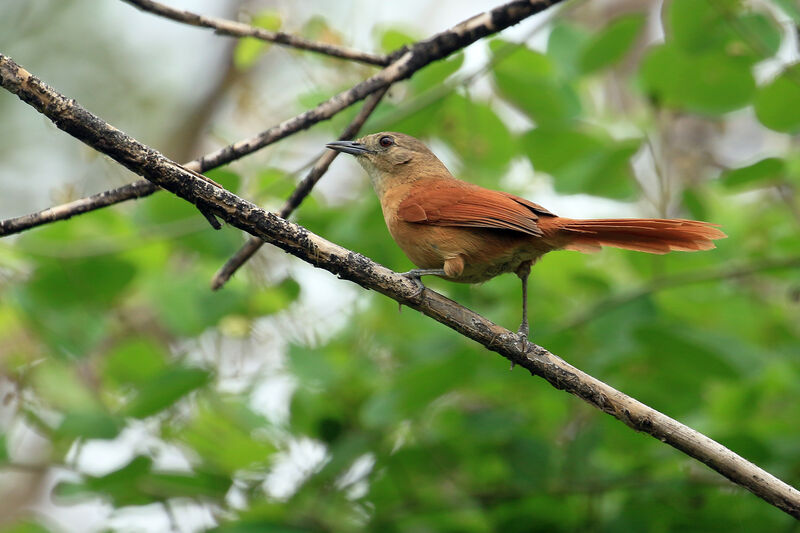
(406, 62)
(302, 190)
(78, 122)
(238, 29)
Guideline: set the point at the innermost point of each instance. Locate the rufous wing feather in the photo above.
(449, 202)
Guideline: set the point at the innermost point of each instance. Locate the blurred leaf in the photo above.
(25, 527)
(714, 26)
(3, 449)
(233, 425)
(93, 282)
(165, 389)
(434, 74)
(59, 385)
(476, 134)
(88, 425)
(226, 178)
(393, 38)
(611, 44)
(582, 162)
(135, 361)
(271, 299)
(258, 527)
(772, 102)
(791, 8)
(318, 29)
(120, 486)
(186, 306)
(137, 484)
(248, 49)
(565, 45)
(710, 83)
(529, 81)
(761, 33)
(763, 173)
(695, 203)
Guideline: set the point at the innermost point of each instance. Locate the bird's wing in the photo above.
(450, 202)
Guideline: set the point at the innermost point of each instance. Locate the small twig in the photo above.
(137, 189)
(80, 123)
(302, 190)
(602, 307)
(238, 29)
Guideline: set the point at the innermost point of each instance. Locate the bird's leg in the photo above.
(416, 273)
(523, 272)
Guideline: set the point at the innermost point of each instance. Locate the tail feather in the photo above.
(652, 235)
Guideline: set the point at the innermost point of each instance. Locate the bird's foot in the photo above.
(416, 274)
(522, 335)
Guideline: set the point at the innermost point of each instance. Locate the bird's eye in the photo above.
(386, 141)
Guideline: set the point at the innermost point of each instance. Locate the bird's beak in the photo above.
(349, 147)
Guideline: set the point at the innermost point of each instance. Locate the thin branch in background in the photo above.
(93, 131)
(410, 60)
(300, 192)
(137, 189)
(239, 29)
(602, 307)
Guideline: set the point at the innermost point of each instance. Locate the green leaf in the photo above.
(529, 81)
(437, 72)
(565, 45)
(699, 25)
(778, 103)
(271, 299)
(94, 282)
(135, 361)
(791, 8)
(763, 173)
(476, 134)
(231, 424)
(120, 486)
(714, 26)
(137, 484)
(761, 33)
(394, 38)
(25, 527)
(695, 203)
(582, 162)
(88, 425)
(3, 449)
(203, 485)
(709, 83)
(165, 389)
(248, 49)
(611, 44)
(226, 178)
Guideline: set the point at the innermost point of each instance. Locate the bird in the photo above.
(465, 233)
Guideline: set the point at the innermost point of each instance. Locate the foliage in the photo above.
(107, 323)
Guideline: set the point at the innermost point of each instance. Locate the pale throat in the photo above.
(380, 180)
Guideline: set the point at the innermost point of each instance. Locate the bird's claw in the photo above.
(414, 277)
(522, 338)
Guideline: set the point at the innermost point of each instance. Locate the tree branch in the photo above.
(405, 62)
(238, 29)
(300, 192)
(78, 122)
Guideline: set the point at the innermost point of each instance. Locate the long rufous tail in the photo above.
(652, 235)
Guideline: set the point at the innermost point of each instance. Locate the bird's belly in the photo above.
(486, 252)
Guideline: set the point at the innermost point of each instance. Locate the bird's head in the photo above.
(391, 158)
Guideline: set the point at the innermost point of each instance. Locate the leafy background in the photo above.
(134, 398)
